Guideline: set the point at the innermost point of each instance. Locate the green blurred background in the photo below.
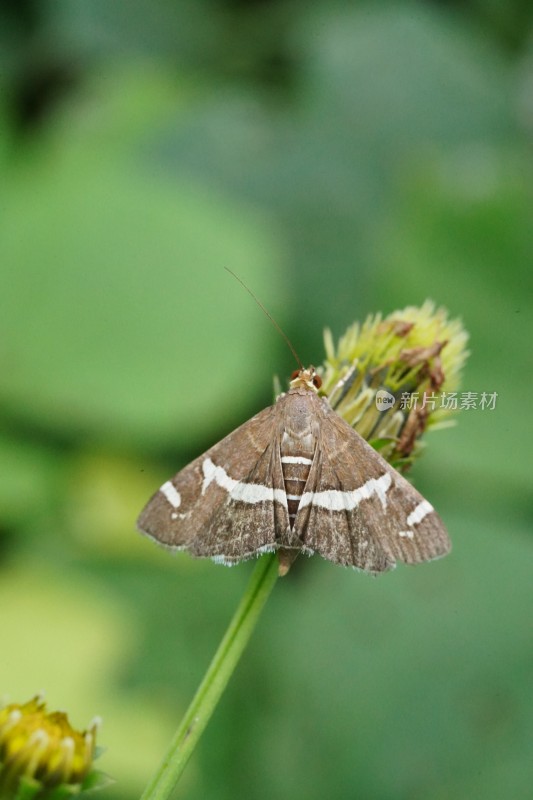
(342, 158)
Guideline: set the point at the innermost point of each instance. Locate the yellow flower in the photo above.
(42, 748)
(392, 378)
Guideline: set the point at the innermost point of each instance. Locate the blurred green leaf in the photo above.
(377, 86)
(30, 473)
(118, 317)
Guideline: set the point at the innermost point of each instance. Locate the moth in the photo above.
(296, 478)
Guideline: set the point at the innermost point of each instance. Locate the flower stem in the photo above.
(215, 680)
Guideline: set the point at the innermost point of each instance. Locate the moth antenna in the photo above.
(271, 318)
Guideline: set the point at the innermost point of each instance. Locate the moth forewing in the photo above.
(202, 489)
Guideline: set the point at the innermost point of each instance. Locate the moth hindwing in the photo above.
(295, 478)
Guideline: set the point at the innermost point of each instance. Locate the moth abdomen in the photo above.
(295, 468)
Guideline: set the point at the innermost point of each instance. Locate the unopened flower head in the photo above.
(42, 749)
(417, 351)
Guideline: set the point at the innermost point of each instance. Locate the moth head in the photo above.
(306, 379)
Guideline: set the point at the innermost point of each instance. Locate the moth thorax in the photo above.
(296, 459)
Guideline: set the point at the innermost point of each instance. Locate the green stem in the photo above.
(215, 680)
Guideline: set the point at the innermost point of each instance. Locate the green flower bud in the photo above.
(41, 755)
(388, 378)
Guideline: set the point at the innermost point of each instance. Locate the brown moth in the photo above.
(296, 478)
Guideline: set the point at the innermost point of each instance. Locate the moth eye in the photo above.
(295, 374)
(317, 381)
